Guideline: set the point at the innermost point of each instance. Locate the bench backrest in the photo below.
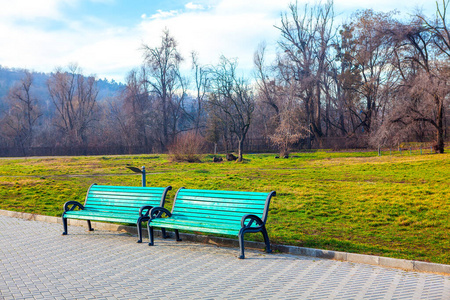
(124, 198)
(222, 206)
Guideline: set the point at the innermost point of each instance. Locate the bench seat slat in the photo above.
(213, 220)
(126, 189)
(105, 218)
(133, 202)
(125, 197)
(218, 206)
(215, 214)
(196, 226)
(119, 204)
(222, 198)
(133, 210)
(220, 192)
(102, 213)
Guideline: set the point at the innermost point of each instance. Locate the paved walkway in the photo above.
(37, 262)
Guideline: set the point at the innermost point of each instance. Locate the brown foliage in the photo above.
(187, 147)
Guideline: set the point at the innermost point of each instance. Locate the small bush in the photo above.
(187, 147)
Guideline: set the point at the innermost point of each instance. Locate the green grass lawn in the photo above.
(396, 206)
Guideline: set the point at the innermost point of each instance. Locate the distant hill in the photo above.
(10, 76)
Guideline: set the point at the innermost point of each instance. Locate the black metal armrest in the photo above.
(252, 218)
(71, 205)
(157, 212)
(141, 210)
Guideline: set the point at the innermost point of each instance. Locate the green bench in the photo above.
(220, 212)
(120, 204)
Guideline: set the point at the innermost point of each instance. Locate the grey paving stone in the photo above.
(36, 262)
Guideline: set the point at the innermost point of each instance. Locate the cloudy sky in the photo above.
(104, 37)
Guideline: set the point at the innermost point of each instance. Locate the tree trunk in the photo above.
(440, 127)
(240, 149)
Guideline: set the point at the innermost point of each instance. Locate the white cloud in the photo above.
(233, 28)
(29, 9)
(192, 6)
(164, 14)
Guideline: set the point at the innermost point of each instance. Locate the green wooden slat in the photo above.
(118, 194)
(120, 209)
(192, 226)
(105, 215)
(132, 216)
(125, 197)
(121, 200)
(205, 216)
(207, 201)
(219, 192)
(211, 219)
(107, 202)
(209, 197)
(107, 208)
(218, 205)
(218, 213)
(215, 213)
(107, 205)
(104, 218)
(125, 188)
(101, 212)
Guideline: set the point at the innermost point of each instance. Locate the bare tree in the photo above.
(23, 113)
(289, 131)
(306, 42)
(202, 81)
(232, 96)
(345, 79)
(422, 52)
(370, 52)
(165, 81)
(137, 109)
(74, 97)
(268, 87)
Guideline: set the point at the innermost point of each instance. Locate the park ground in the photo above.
(394, 205)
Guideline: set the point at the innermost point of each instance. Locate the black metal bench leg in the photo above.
(64, 226)
(150, 235)
(163, 232)
(266, 239)
(89, 225)
(177, 235)
(139, 228)
(241, 244)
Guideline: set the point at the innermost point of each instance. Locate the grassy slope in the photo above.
(397, 206)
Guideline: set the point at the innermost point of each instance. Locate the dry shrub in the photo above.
(187, 147)
(288, 132)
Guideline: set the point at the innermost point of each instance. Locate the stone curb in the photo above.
(409, 265)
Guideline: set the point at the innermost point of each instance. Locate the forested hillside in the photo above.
(9, 77)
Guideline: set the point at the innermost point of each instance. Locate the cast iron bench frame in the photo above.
(213, 211)
(120, 204)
